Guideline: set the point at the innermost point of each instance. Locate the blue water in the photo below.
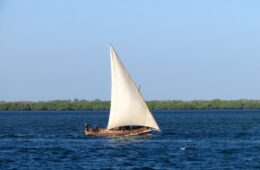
(188, 140)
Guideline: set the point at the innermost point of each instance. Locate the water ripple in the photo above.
(189, 140)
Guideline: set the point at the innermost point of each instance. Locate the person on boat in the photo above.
(86, 126)
(96, 129)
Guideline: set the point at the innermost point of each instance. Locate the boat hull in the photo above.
(106, 132)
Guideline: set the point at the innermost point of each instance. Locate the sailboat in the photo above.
(129, 114)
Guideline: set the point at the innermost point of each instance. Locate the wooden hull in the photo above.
(106, 132)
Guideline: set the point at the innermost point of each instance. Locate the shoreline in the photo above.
(2, 111)
(84, 105)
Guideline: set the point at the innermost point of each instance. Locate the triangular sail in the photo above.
(127, 104)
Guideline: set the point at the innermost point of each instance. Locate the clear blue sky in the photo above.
(185, 49)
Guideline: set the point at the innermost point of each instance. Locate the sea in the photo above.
(190, 139)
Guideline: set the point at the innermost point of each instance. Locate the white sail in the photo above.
(127, 104)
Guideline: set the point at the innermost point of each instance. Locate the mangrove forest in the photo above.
(59, 105)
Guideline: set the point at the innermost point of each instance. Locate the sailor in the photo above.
(86, 126)
(96, 129)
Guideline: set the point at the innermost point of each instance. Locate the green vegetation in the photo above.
(153, 105)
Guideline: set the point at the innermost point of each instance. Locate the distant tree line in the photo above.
(105, 105)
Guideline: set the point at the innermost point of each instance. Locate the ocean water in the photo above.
(214, 139)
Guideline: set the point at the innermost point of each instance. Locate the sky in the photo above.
(175, 50)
